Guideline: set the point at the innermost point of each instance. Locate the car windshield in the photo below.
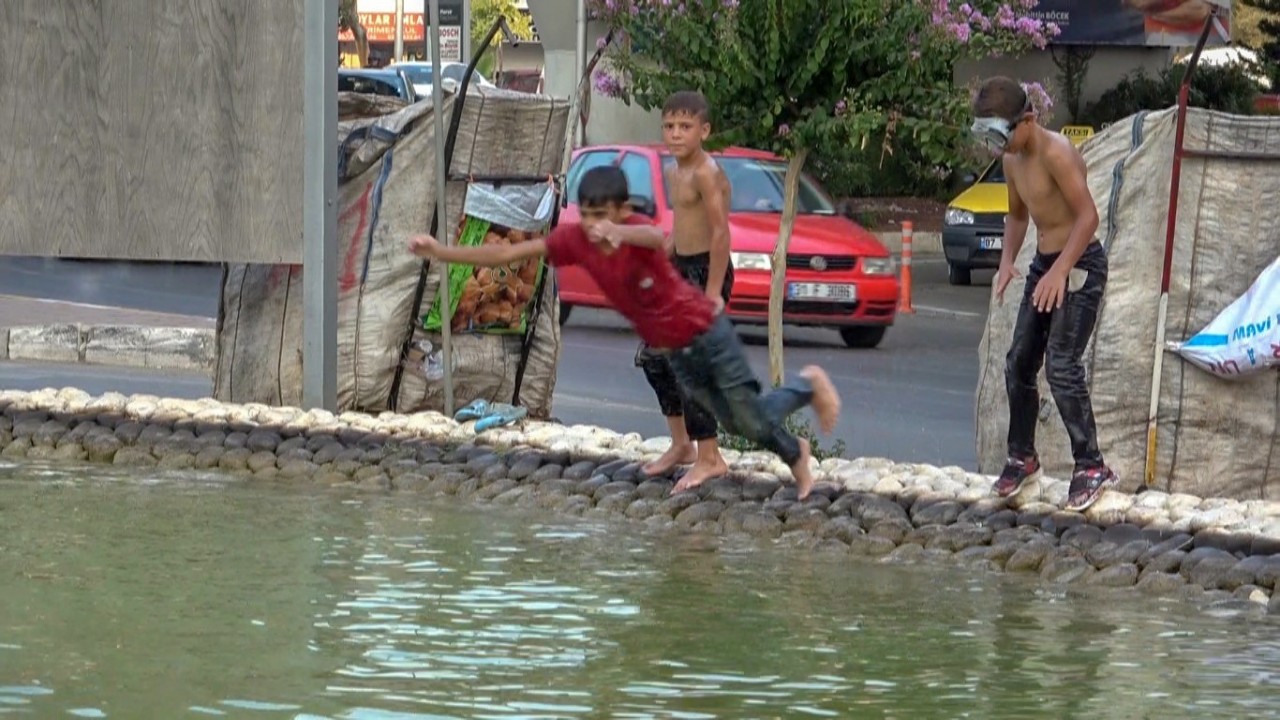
(418, 74)
(994, 173)
(368, 85)
(758, 186)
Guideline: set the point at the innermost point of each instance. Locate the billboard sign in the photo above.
(1141, 23)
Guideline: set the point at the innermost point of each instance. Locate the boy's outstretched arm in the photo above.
(425, 246)
(710, 183)
(648, 235)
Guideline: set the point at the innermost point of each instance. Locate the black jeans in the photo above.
(1060, 338)
(714, 373)
(700, 423)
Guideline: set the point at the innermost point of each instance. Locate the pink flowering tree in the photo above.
(810, 78)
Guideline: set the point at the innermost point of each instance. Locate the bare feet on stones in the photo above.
(702, 471)
(675, 455)
(826, 401)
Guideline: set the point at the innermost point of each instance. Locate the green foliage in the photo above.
(796, 425)
(1216, 87)
(484, 13)
(836, 78)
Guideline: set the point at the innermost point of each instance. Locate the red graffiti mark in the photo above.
(348, 279)
(1275, 350)
(276, 275)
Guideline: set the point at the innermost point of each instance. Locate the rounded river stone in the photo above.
(618, 487)
(708, 510)
(765, 525)
(572, 505)
(1160, 583)
(1065, 569)
(654, 490)
(871, 546)
(616, 502)
(1002, 520)
(546, 472)
(580, 470)
(905, 554)
(894, 531)
(808, 519)
(1122, 575)
(935, 512)
(1028, 558)
(842, 528)
(641, 508)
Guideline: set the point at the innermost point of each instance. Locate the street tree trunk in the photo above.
(777, 285)
(349, 19)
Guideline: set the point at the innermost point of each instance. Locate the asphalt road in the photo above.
(910, 399)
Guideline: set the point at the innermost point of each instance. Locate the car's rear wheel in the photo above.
(565, 309)
(957, 275)
(862, 337)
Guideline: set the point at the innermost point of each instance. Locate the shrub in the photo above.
(1228, 88)
(795, 424)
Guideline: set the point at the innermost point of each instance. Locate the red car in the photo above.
(838, 274)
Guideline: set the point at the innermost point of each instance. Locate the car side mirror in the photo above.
(644, 205)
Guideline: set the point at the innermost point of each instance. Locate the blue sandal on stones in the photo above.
(476, 410)
(500, 414)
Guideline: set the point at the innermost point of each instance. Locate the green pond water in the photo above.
(188, 596)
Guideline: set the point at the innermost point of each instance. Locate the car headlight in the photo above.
(956, 216)
(878, 266)
(750, 261)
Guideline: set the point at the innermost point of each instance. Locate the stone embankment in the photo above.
(1208, 549)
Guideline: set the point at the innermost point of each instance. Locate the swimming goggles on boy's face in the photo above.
(994, 133)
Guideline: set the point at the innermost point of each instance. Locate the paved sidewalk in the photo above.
(21, 311)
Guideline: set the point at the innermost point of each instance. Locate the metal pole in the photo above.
(1171, 226)
(399, 47)
(319, 207)
(443, 228)
(580, 64)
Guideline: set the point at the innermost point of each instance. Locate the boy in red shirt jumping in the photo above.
(623, 252)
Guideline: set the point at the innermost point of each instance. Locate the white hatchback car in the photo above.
(419, 72)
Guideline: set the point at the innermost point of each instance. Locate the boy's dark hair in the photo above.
(687, 102)
(1000, 97)
(601, 186)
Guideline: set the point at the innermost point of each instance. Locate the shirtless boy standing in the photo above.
(1047, 181)
(624, 253)
(700, 238)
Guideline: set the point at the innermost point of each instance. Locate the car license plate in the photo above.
(825, 292)
(990, 243)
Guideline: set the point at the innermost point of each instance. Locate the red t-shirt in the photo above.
(641, 283)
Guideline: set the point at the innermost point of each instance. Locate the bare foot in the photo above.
(675, 455)
(826, 401)
(804, 479)
(703, 470)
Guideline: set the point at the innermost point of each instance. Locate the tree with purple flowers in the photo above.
(808, 78)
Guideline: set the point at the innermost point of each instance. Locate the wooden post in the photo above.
(777, 284)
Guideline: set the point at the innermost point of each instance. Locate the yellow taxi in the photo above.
(973, 227)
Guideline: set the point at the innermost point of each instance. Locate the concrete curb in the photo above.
(156, 348)
(923, 244)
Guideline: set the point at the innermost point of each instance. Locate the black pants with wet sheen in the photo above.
(714, 373)
(1057, 341)
(698, 421)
